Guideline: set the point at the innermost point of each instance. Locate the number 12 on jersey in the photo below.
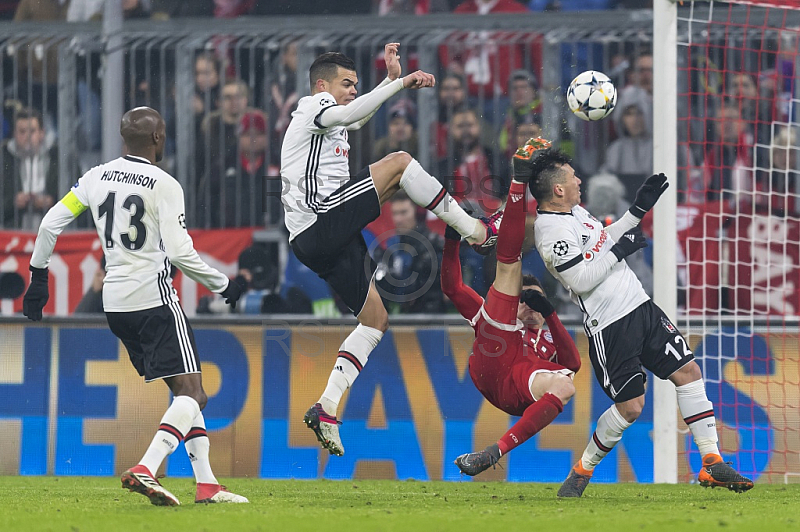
(134, 204)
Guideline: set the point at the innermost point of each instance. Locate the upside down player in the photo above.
(139, 213)
(627, 331)
(326, 209)
(513, 364)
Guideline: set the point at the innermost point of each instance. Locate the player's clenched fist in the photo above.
(392, 59)
(418, 80)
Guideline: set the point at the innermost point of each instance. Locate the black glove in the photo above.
(648, 194)
(537, 301)
(525, 156)
(630, 242)
(232, 293)
(37, 295)
(452, 234)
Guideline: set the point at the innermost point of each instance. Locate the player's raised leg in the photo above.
(698, 413)
(400, 170)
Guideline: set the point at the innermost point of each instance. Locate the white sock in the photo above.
(197, 447)
(353, 355)
(698, 413)
(608, 433)
(427, 192)
(175, 424)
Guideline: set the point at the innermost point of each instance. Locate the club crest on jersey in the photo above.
(341, 152)
(548, 336)
(668, 325)
(561, 248)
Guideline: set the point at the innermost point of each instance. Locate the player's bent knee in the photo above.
(400, 159)
(690, 372)
(564, 389)
(631, 409)
(202, 399)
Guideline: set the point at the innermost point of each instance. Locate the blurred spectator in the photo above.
(482, 58)
(605, 199)
(410, 7)
(220, 128)
(30, 172)
(408, 271)
(232, 8)
(233, 195)
(727, 168)
(468, 174)
(452, 96)
(641, 86)
(206, 85)
(402, 131)
(92, 300)
(8, 8)
(167, 9)
(284, 88)
(631, 156)
(524, 102)
(570, 5)
(778, 186)
(38, 60)
(526, 129)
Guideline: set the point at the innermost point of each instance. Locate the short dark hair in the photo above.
(546, 171)
(27, 113)
(400, 195)
(531, 280)
(325, 66)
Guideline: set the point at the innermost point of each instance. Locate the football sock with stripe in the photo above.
(427, 192)
(197, 447)
(609, 431)
(512, 228)
(174, 425)
(698, 413)
(353, 355)
(536, 417)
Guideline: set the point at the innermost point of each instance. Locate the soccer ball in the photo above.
(591, 96)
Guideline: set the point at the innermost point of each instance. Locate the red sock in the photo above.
(535, 418)
(512, 228)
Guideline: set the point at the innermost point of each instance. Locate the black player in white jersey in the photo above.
(326, 208)
(627, 331)
(138, 210)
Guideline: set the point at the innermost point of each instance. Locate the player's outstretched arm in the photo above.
(365, 106)
(57, 218)
(177, 242)
(466, 300)
(646, 198)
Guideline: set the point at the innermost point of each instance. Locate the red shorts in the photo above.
(500, 366)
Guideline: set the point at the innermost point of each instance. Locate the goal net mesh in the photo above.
(739, 226)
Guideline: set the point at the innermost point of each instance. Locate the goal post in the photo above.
(726, 257)
(665, 157)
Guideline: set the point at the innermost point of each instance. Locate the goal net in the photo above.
(738, 225)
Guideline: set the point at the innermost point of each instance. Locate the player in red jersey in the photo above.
(518, 367)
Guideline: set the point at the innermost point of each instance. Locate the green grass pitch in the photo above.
(89, 504)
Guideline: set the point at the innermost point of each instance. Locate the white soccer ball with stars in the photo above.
(591, 96)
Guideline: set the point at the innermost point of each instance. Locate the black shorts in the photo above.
(333, 246)
(644, 338)
(159, 341)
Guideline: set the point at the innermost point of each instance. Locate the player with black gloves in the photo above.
(519, 367)
(138, 210)
(627, 331)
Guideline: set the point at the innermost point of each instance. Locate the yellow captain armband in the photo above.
(72, 203)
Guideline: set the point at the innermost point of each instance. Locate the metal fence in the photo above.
(188, 70)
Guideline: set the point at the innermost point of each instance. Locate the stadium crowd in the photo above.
(735, 153)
